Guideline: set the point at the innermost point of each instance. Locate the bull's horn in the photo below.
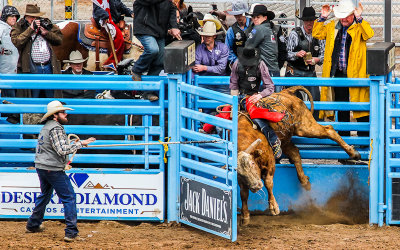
(253, 146)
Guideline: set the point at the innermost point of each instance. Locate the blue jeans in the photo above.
(152, 59)
(58, 181)
(46, 69)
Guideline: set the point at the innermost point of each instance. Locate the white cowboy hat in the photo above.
(344, 9)
(54, 107)
(75, 57)
(209, 17)
(209, 29)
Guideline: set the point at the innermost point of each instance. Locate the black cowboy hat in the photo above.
(308, 14)
(262, 10)
(248, 56)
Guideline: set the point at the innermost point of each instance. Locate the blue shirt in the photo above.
(230, 37)
(215, 60)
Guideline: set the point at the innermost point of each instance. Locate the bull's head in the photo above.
(248, 170)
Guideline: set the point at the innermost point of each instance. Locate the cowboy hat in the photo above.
(75, 57)
(54, 107)
(209, 29)
(33, 10)
(248, 56)
(209, 17)
(344, 9)
(263, 11)
(308, 14)
(238, 8)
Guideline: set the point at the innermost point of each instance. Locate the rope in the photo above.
(369, 157)
(165, 145)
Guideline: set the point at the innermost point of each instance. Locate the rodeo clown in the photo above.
(246, 76)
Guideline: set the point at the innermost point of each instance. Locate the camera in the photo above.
(45, 23)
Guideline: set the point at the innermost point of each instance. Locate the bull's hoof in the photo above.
(356, 156)
(307, 185)
(245, 221)
(275, 210)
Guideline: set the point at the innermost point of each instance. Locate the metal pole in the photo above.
(388, 21)
(75, 10)
(51, 10)
(173, 161)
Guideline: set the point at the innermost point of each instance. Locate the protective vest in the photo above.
(240, 37)
(307, 46)
(249, 79)
(46, 157)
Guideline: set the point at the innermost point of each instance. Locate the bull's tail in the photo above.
(293, 91)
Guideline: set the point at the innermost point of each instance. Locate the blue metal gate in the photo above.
(392, 161)
(204, 188)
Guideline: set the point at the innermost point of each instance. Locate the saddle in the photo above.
(98, 38)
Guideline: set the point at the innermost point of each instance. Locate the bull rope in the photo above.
(76, 138)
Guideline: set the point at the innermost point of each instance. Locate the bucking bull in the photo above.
(255, 158)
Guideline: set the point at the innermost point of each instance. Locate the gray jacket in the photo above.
(263, 37)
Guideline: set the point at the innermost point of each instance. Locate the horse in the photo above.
(70, 31)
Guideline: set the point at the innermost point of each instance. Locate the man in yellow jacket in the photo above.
(345, 55)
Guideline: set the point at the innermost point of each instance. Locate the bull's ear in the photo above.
(258, 152)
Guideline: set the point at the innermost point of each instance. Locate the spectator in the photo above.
(345, 55)
(264, 36)
(211, 56)
(304, 52)
(220, 27)
(34, 38)
(152, 20)
(102, 18)
(247, 73)
(236, 35)
(9, 53)
(76, 67)
(51, 159)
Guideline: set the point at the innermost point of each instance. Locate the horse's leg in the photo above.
(292, 152)
(244, 195)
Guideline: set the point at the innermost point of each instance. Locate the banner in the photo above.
(99, 196)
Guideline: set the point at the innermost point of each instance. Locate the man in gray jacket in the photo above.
(265, 36)
(50, 161)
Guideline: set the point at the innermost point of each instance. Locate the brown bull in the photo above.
(255, 158)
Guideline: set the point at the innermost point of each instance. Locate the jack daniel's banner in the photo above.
(206, 206)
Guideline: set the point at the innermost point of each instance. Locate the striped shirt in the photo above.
(342, 53)
(60, 144)
(40, 50)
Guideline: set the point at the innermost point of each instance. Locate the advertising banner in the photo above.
(206, 206)
(98, 196)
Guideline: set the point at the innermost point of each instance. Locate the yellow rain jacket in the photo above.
(357, 61)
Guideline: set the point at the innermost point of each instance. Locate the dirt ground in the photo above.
(291, 231)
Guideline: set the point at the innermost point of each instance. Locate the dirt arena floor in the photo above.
(314, 229)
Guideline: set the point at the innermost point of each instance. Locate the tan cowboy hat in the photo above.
(33, 10)
(209, 17)
(54, 107)
(75, 57)
(209, 29)
(344, 9)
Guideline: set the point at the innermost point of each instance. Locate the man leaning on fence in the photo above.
(345, 56)
(76, 68)
(51, 158)
(34, 37)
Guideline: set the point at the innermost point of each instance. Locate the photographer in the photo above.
(34, 37)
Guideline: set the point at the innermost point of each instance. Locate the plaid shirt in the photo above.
(58, 139)
(40, 50)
